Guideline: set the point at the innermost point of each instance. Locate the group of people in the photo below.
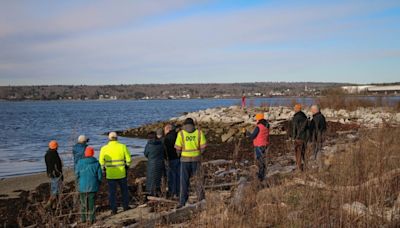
(179, 148)
(304, 131)
(176, 154)
(114, 162)
(173, 152)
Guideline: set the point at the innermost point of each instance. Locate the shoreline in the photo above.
(204, 98)
(226, 147)
(12, 187)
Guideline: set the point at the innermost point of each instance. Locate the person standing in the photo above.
(54, 172)
(190, 144)
(260, 137)
(78, 150)
(115, 158)
(172, 159)
(299, 135)
(154, 152)
(317, 130)
(89, 175)
(243, 101)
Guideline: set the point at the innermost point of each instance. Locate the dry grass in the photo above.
(337, 99)
(292, 205)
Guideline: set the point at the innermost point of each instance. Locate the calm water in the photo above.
(27, 127)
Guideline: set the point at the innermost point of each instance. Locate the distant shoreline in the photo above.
(182, 99)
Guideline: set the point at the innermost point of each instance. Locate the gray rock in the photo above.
(228, 135)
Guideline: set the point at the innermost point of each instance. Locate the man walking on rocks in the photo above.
(260, 137)
(116, 159)
(299, 135)
(190, 144)
(317, 130)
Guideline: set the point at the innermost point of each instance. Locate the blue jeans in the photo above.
(173, 177)
(112, 188)
(190, 169)
(55, 185)
(261, 160)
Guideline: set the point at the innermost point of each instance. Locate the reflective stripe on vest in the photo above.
(191, 152)
(110, 163)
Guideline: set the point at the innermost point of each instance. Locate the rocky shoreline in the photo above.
(228, 158)
(223, 124)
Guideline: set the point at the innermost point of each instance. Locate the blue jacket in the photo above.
(154, 152)
(88, 172)
(78, 151)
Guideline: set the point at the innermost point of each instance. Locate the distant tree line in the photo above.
(161, 91)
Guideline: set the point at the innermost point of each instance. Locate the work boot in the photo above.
(127, 208)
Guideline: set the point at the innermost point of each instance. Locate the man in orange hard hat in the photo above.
(54, 172)
(260, 137)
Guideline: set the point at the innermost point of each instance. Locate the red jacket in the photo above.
(262, 138)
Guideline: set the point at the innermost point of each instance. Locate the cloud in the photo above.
(87, 44)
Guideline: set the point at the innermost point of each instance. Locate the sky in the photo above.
(198, 41)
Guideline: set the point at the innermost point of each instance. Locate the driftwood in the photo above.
(152, 198)
(217, 162)
(223, 173)
(357, 209)
(175, 216)
(375, 181)
(346, 132)
(239, 193)
(223, 185)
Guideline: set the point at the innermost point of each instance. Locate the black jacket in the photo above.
(169, 145)
(300, 126)
(317, 126)
(53, 164)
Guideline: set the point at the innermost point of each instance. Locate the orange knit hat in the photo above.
(89, 152)
(259, 116)
(53, 144)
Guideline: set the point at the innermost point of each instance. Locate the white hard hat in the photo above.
(82, 139)
(112, 135)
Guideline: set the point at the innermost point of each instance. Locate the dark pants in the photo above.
(173, 177)
(87, 206)
(300, 151)
(112, 188)
(188, 170)
(317, 141)
(261, 162)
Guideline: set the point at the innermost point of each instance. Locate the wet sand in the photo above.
(13, 186)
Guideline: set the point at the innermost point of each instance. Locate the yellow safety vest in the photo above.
(191, 143)
(114, 157)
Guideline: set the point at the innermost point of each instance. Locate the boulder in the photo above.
(229, 135)
(355, 209)
(397, 117)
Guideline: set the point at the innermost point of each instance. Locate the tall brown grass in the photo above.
(337, 99)
(373, 155)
